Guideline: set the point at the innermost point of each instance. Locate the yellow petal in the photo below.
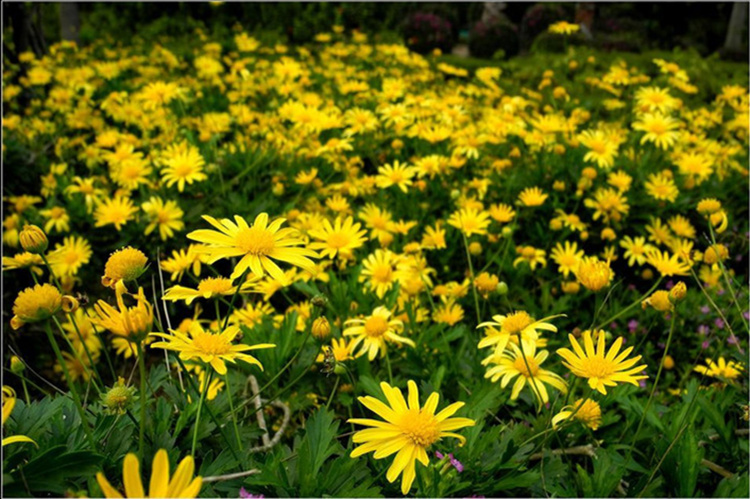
(131, 477)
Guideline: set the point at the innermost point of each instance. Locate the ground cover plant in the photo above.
(240, 268)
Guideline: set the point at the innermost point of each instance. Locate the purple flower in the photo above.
(642, 383)
(746, 314)
(670, 284)
(454, 462)
(705, 309)
(703, 329)
(704, 345)
(632, 325)
(721, 292)
(732, 340)
(244, 494)
(631, 287)
(719, 323)
(613, 325)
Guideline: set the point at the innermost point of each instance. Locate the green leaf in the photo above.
(318, 444)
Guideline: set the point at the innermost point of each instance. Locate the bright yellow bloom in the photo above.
(378, 270)
(126, 264)
(661, 187)
(531, 255)
(57, 218)
(586, 411)
(449, 313)
(526, 364)
(258, 245)
(209, 287)
(502, 213)
(132, 323)
(660, 129)
(593, 274)
(470, 221)
(24, 260)
(33, 239)
(667, 264)
(375, 332)
(602, 148)
(183, 165)
(397, 174)
(408, 430)
(9, 402)
(340, 238)
(39, 303)
(635, 249)
(659, 300)
(532, 196)
(182, 483)
(67, 258)
(116, 211)
(608, 204)
(563, 28)
(566, 257)
(164, 215)
(209, 347)
(502, 327)
(723, 370)
(602, 369)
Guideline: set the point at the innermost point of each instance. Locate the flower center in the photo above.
(382, 273)
(182, 167)
(520, 365)
(338, 240)
(516, 322)
(528, 252)
(420, 427)
(658, 128)
(376, 326)
(215, 285)
(597, 367)
(256, 241)
(211, 344)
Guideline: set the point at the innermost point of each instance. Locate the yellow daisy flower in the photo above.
(375, 332)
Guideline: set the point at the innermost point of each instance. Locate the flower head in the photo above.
(593, 274)
(408, 430)
(131, 323)
(125, 265)
(39, 303)
(586, 411)
(375, 332)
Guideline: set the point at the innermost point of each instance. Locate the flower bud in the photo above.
(16, 365)
(33, 239)
(319, 301)
(321, 328)
(668, 362)
(678, 292)
(502, 288)
(118, 398)
(475, 248)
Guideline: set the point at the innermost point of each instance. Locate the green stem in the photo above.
(653, 388)
(333, 392)
(142, 422)
(626, 309)
(388, 366)
(231, 409)
(73, 390)
(726, 279)
(54, 277)
(25, 392)
(200, 406)
(471, 273)
(231, 302)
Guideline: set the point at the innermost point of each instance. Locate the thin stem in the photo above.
(635, 303)
(333, 392)
(200, 406)
(726, 279)
(231, 409)
(388, 366)
(73, 390)
(471, 273)
(231, 302)
(653, 387)
(142, 422)
(714, 305)
(25, 391)
(49, 267)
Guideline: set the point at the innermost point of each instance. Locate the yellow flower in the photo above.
(708, 206)
(563, 28)
(486, 283)
(532, 196)
(661, 187)
(434, 238)
(566, 257)
(33, 239)
(531, 255)
(340, 350)
(601, 370)
(526, 364)
(520, 323)
(258, 245)
(116, 211)
(24, 260)
(586, 411)
(608, 204)
(183, 260)
(67, 258)
(126, 264)
(132, 323)
(167, 216)
(321, 328)
(602, 148)
(378, 269)
(397, 174)
(408, 430)
(207, 288)
(659, 300)
(251, 314)
(57, 218)
(502, 213)
(39, 303)
(449, 313)
(183, 165)
(635, 249)
(660, 129)
(723, 370)
(182, 483)
(593, 273)
(304, 178)
(211, 348)
(470, 221)
(667, 264)
(342, 238)
(375, 332)
(650, 99)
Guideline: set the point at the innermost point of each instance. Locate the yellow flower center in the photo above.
(657, 128)
(211, 344)
(338, 240)
(599, 147)
(215, 285)
(516, 322)
(376, 326)
(528, 252)
(126, 264)
(256, 241)
(597, 367)
(520, 365)
(420, 427)
(182, 167)
(382, 273)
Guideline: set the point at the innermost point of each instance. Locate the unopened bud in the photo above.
(321, 328)
(33, 239)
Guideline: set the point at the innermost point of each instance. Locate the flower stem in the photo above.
(200, 406)
(388, 366)
(333, 392)
(726, 279)
(73, 390)
(471, 273)
(626, 309)
(231, 409)
(653, 387)
(142, 422)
